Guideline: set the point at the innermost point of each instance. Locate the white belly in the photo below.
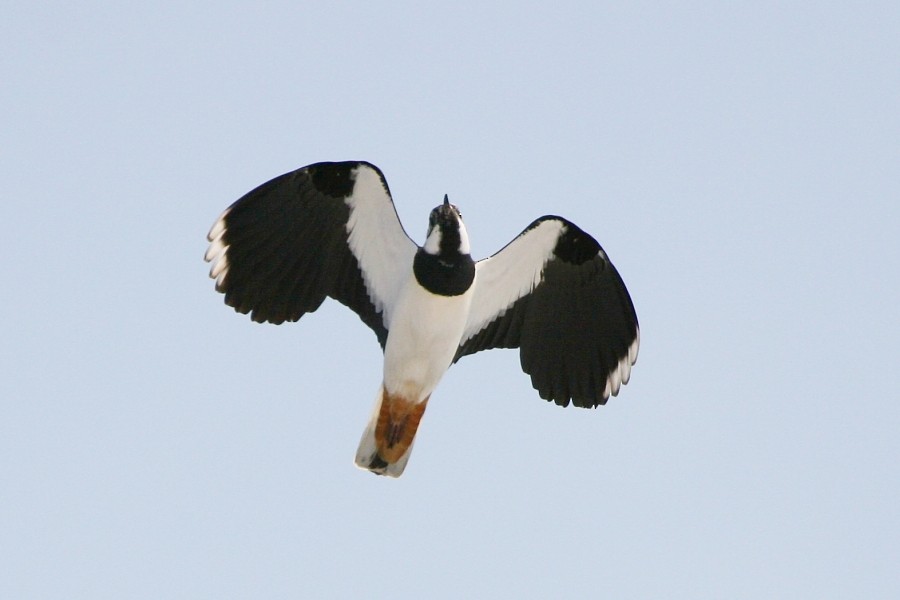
(424, 335)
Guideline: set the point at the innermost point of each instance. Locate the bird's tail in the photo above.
(388, 439)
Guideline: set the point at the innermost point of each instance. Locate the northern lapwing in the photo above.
(331, 230)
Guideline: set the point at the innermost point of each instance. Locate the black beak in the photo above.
(446, 201)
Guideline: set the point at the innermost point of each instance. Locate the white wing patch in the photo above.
(377, 239)
(511, 273)
(622, 374)
(217, 253)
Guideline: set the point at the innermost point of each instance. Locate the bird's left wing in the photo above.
(328, 229)
(553, 293)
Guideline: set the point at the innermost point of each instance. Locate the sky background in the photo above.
(738, 161)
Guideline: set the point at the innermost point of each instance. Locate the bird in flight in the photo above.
(331, 230)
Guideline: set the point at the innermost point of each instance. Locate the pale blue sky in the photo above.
(738, 161)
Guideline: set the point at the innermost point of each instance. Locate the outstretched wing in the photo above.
(328, 229)
(553, 293)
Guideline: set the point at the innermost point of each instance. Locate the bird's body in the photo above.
(421, 343)
(423, 339)
(330, 229)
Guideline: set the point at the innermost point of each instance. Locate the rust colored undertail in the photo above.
(398, 421)
(387, 441)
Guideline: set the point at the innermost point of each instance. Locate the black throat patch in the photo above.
(449, 274)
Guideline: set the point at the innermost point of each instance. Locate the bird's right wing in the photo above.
(553, 293)
(328, 229)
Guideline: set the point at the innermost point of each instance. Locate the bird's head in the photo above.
(446, 232)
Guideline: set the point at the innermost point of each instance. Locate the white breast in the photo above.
(424, 335)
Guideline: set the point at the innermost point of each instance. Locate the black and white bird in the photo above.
(331, 230)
